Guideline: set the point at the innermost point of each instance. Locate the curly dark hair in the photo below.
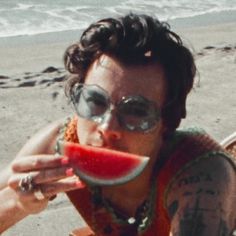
(137, 39)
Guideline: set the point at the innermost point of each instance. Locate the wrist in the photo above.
(10, 211)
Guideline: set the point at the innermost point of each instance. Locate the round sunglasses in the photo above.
(134, 113)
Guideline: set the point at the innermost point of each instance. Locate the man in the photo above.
(130, 78)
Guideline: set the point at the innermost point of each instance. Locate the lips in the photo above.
(99, 142)
(111, 147)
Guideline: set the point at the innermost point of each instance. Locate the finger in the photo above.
(29, 197)
(37, 162)
(14, 180)
(40, 177)
(51, 175)
(65, 185)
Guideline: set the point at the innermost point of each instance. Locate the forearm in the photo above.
(10, 212)
(15, 204)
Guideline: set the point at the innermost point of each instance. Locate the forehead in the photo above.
(120, 80)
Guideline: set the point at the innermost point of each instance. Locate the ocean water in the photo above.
(30, 17)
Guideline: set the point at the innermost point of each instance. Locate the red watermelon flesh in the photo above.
(100, 166)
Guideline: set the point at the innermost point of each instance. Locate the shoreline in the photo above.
(205, 19)
(33, 53)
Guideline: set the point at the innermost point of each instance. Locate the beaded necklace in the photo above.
(146, 211)
(142, 218)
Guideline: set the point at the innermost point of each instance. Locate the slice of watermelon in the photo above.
(100, 166)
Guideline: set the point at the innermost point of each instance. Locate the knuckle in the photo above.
(50, 189)
(15, 165)
(55, 173)
(43, 175)
(37, 162)
(52, 173)
(62, 171)
(12, 182)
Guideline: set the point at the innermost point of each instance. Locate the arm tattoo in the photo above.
(201, 191)
(192, 222)
(201, 177)
(223, 229)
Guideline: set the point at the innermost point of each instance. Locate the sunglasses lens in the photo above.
(137, 114)
(90, 102)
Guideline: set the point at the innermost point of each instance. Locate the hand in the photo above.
(48, 173)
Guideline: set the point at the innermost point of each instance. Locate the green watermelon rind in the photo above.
(115, 181)
(105, 181)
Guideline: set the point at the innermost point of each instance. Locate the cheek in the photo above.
(85, 129)
(146, 144)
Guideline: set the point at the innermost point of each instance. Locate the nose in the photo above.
(109, 128)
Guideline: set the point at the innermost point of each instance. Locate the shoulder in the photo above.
(204, 191)
(215, 171)
(198, 184)
(44, 141)
(186, 147)
(195, 153)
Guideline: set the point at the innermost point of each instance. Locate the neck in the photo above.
(133, 188)
(135, 191)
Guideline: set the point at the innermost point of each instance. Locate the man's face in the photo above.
(121, 81)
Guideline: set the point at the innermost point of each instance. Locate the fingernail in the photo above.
(69, 172)
(80, 184)
(64, 160)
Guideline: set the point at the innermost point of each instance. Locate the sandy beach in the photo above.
(31, 96)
